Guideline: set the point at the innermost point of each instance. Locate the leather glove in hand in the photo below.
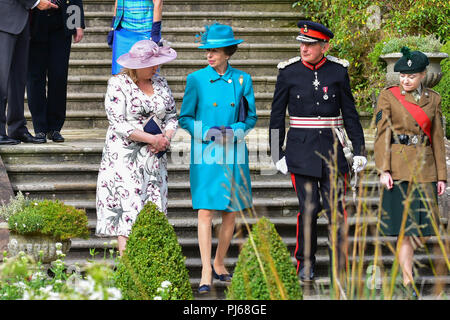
(110, 37)
(156, 31)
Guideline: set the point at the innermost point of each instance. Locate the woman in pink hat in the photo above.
(133, 169)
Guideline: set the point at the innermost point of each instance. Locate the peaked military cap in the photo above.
(411, 62)
(313, 31)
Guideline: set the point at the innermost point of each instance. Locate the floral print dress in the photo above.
(130, 175)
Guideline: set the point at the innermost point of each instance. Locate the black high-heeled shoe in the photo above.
(222, 277)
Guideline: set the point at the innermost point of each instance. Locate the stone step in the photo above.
(98, 84)
(172, 19)
(249, 34)
(95, 101)
(266, 67)
(82, 248)
(189, 50)
(71, 190)
(204, 6)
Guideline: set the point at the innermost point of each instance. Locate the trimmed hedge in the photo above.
(152, 256)
(278, 281)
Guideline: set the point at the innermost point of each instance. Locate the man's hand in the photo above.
(282, 166)
(359, 163)
(45, 5)
(78, 35)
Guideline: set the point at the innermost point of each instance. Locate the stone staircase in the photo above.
(68, 170)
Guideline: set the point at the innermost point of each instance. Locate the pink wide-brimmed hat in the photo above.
(146, 53)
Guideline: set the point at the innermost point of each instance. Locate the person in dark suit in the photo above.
(316, 90)
(51, 39)
(14, 44)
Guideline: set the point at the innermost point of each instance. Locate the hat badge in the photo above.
(305, 28)
(409, 63)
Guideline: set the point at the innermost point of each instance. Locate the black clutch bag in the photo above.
(243, 109)
(153, 127)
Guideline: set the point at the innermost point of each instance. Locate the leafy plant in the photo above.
(52, 218)
(23, 278)
(264, 269)
(427, 43)
(16, 204)
(152, 256)
(361, 27)
(443, 87)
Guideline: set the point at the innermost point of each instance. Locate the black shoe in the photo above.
(40, 135)
(26, 137)
(55, 136)
(409, 292)
(204, 288)
(222, 277)
(303, 277)
(4, 139)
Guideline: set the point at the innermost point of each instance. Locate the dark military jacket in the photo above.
(311, 91)
(423, 162)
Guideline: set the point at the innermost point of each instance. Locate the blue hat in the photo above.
(313, 31)
(218, 36)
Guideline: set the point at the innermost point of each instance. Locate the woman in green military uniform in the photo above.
(410, 156)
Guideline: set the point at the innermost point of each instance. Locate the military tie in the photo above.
(416, 95)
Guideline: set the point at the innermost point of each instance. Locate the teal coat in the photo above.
(219, 174)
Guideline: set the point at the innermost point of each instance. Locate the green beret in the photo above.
(411, 62)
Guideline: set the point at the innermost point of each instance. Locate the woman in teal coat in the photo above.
(218, 110)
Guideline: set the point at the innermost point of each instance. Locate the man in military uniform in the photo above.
(316, 90)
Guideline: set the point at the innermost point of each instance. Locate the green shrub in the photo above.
(422, 43)
(52, 218)
(443, 87)
(267, 272)
(152, 256)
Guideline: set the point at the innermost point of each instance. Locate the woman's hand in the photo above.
(386, 180)
(441, 188)
(160, 143)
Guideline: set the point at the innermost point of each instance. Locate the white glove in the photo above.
(282, 166)
(359, 163)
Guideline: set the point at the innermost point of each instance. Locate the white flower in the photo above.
(166, 284)
(58, 245)
(114, 294)
(157, 298)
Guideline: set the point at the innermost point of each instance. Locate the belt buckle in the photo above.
(403, 139)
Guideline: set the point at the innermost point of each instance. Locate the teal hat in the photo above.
(217, 36)
(411, 62)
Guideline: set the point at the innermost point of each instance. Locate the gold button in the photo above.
(215, 104)
(232, 104)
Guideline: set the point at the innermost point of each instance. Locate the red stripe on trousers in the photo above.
(298, 215)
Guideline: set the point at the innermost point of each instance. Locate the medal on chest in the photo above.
(325, 93)
(316, 82)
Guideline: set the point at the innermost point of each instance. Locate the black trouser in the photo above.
(49, 59)
(314, 195)
(13, 74)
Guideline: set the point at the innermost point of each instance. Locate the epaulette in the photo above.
(435, 92)
(342, 62)
(284, 64)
